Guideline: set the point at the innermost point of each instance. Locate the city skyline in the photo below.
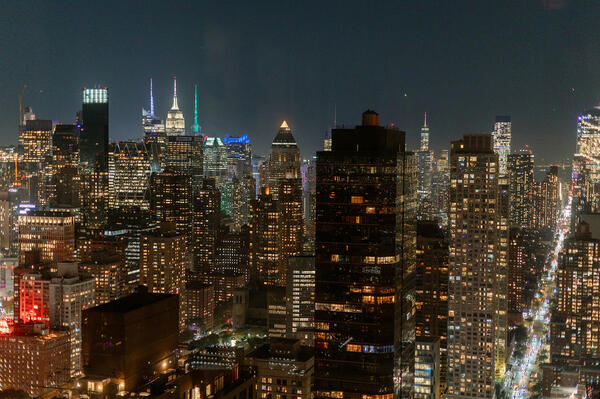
(274, 57)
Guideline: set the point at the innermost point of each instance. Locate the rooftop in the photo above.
(131, 302)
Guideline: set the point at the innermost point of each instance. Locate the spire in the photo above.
(425, 124)
(151, 99)
(175, 106)
(284, 125)
(196, 127)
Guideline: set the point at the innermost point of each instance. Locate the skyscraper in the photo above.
(291, 223)
(522, 184)
(472, 267)
(35, 144)
(171, 201)
(300, 298)
(502, 135)
(183, 154)
(64, 179)
(207, 219)
(215, 160)
(239, 155)
(264, 235)
(154, 128)
(365, 264)
(48, 236)
(129, 175)
(431, 290)
(284, 162)
(175, 123)
(425, 174)
(93, 157)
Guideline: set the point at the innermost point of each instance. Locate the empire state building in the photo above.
(175, 123)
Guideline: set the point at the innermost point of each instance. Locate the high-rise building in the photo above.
(206, 223)
(34, 299)
(264, 235)
(502, 136)
(439, 188)
(171, 200)
(35, 144)
(501, 272)
(239, 155)
(69, 295)
(365, 264)
(64, 180)
(473, 226)
(198, 305)
(551, 195)
(291, 223)
(110, 277)
(575, 324)
(431, 291)
(183, 154)
(163, 261)
(428, 365)
(284, 161)
(517, 262)
(522, 184)
(300, 299)
(175, 122)
(93, 158)
(309, 179)
(34, 359)
(49, 237)
(244, 191)
(425, 175)
(154, 128)
(215, 160)
(233, 251)
(128, 175)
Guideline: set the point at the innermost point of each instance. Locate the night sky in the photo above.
(259, 62)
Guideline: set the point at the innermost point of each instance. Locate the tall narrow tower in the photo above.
(474, 250)
(425, 135)
(175, 124)
(196, 127)
(502, 136)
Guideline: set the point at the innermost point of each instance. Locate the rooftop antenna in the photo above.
(151, 99)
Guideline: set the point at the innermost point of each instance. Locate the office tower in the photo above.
(198, 305)
(300, 299)
(502, 135)
(63, 190)
(365, 264)
(239, 155)
(501, 283)
(264, 233)
(225, 283)
(146, 322)
(128, 175)
(439, 188)
(183, 154)
(520, 174)
(284, 161)
(93, 158)
(215, 160)
(431, 291)
(276, 311)
(69, 295)
(427, 367)
(154, 128)
(47, 236)
(309, 178)
(206, 223)
(171, 200)
(129, 223)
(244, 191)
(34, 359)
(110, 277)
(472, 267)
(163, 261)
(425, 175)
(291, 223)
(233, 251)
(517, 262)
(283, 365)
(34, 299)
(35, 144)
(175, 122)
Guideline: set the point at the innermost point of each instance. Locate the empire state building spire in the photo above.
(175, 106)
